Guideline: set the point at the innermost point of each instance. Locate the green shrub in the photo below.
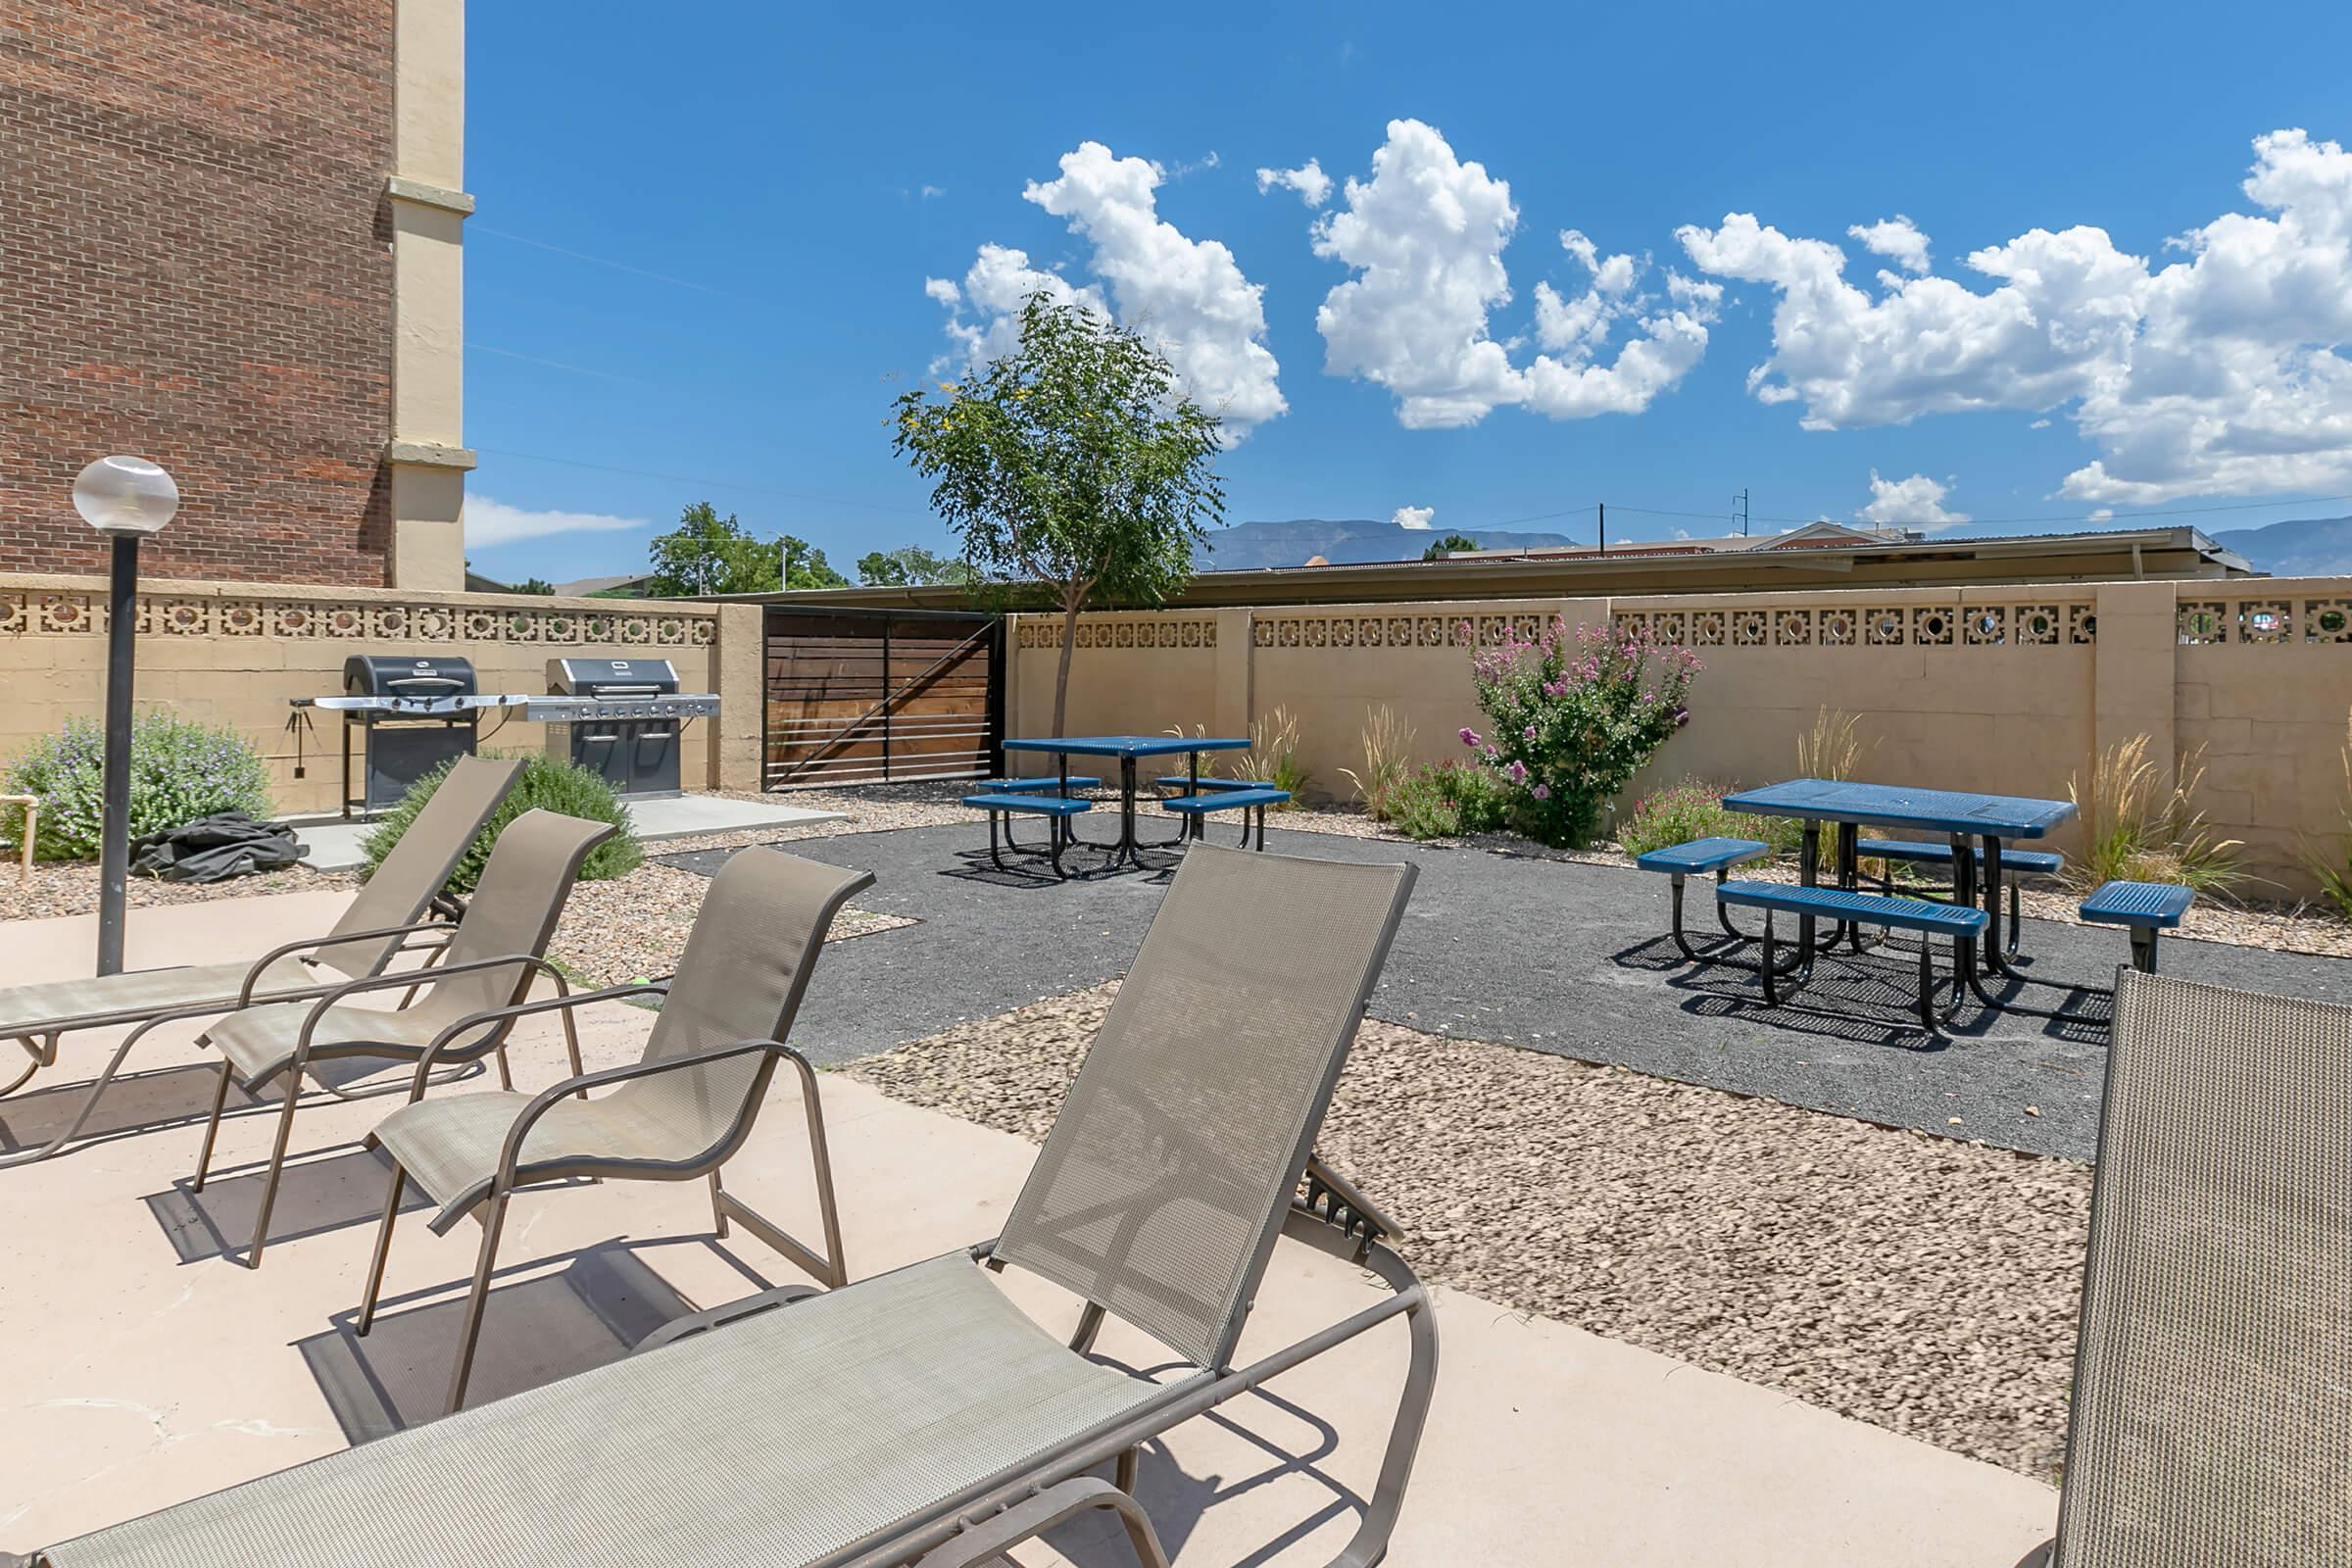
(1677, 815)
(1575, 714)
(179, 770)
(1446, 800)
(548, 784)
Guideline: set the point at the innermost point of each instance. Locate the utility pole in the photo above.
(1741, 500)
(1602, 508)
(785, 581)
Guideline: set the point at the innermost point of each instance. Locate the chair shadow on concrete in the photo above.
(1178, 1502)
(135, 1102)
(339, 1191)
(540, 1326)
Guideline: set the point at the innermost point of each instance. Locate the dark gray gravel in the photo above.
(1562, 957)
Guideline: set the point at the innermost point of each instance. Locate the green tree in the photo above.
(1452, 541)
(810, 568)
(911, 566)
(1069, 460)
(534, 585)
(708, 553)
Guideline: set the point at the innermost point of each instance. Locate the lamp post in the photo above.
(125, 499)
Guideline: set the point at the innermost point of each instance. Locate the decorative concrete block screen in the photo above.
(2009, 688)
(233, 653)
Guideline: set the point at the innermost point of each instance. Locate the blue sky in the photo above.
(700, 266)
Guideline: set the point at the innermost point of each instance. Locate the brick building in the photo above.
(230, 241)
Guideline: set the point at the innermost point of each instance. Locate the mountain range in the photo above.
(1247, 546)
(2304, 547)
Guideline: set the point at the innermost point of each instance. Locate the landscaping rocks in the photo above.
(1922, 1284)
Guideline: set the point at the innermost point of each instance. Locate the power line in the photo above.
(2071, 517)
(618, 266)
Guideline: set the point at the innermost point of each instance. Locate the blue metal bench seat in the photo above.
(2014, 864)
(1033, 786)
(1697, 858)
(1001, 807)
(2147, 908)
(1930, 919)
(1251, 800)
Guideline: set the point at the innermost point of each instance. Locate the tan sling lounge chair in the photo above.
(500, 948)
(678, 1114)
(2211, 1422)
(919, 1415)
(388, 918)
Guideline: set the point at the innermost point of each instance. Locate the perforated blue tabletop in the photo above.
(2005, 817)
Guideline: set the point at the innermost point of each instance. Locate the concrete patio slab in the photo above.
(147, 1366)
(333, 845)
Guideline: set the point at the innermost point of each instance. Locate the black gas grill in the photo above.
(619, 717)
(412, 715)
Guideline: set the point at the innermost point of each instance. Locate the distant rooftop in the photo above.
(1762, 564)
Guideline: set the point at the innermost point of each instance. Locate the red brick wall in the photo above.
(194, 269)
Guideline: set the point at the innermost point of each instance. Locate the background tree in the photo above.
(708, 553)
(810, 570)
(1452, 541)
(1070, 461)
(534, 585)
(911, 566)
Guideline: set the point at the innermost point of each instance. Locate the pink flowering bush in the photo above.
(1573, 716)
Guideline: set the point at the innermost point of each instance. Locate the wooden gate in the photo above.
(868, 696)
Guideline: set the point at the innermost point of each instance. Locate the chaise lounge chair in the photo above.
(389, 916)
(500, 948)
(919, 1415)
(2210, 1420)
(679, 1113)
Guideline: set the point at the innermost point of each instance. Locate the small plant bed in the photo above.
(1925, 1284)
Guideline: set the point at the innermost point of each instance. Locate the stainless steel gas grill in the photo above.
(620, 717)
(412, 715)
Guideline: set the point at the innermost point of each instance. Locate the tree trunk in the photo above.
(1062, 673)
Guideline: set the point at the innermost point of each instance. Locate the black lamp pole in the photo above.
(123, 498)
(114, 854)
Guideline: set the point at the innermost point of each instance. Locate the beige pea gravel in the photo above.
(1917, 1282)
(635, 927)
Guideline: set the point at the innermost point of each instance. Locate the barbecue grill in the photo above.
(619, 717)
(412, 715)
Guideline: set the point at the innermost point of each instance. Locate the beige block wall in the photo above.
(2007, 689)
(234, 654)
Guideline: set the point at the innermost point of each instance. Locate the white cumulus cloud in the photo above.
(1425, 236)
(1913, 502)
(1188, 298)
(2224, 372)
(491, 523)
(1412, 517)
(1307, 179)
(1896, 238)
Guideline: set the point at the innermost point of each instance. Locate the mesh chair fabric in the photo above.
(2213, 1388)
(767, 1444)
(1169, 1167)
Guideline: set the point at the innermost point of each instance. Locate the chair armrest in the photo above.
(253, 974)
(511, 1155)
(564, 999)
(388, 982)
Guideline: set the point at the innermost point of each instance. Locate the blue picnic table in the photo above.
(1962, 814)
(1128, 750)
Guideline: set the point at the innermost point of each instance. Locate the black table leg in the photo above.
(1808, 872)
